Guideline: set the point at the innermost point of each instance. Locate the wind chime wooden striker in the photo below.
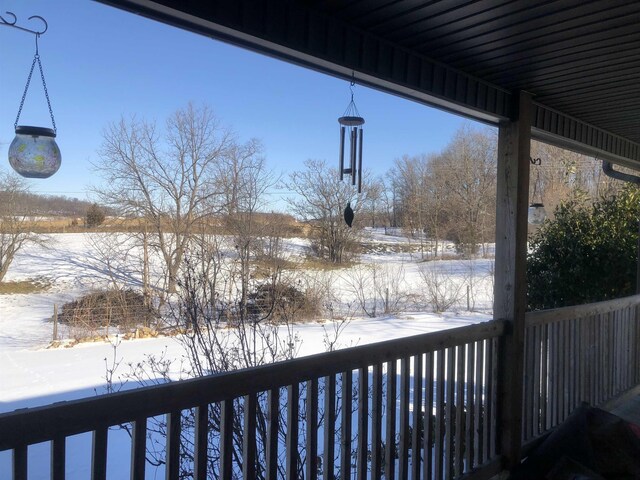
(351, 130)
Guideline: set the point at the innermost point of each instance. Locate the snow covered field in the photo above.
(33, 375)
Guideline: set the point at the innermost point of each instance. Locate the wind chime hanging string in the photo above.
(34, 152)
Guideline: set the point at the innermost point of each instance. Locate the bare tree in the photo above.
(320, 201)
(167, 179)
(373, 208)
(244, 180)
(422, 199)
(219, 335)
(377, 288)
(14, 220)
(468, 166)
(565, 175)
(440, 288)
(450, 195)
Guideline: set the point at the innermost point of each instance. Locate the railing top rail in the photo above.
(40, 424)
(542, 317)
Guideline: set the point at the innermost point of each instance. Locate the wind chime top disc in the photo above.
(351, 121)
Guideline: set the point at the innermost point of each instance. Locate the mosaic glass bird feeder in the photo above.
(537, 214)
(33, 153)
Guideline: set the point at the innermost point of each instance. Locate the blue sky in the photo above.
(101, 63)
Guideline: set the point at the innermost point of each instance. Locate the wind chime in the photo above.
(537, 213)
(351, 131)
(33, 153)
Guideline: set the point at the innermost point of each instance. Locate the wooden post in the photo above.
(510, 290)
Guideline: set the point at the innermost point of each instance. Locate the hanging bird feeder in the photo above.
(351, 131)
(33, 153)
(536, 214)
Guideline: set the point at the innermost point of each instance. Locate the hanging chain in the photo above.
(536, 187)
(46, 94)
(36, 58)
(24, 95)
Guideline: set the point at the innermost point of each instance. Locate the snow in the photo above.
(33, 375)
(30, 373)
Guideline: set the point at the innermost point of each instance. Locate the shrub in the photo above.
(95, 216)
(283, 302)
(121, 308)
(586, 253)
(440, 287)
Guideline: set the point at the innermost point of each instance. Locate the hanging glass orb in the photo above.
(537, 213)
(34, 152)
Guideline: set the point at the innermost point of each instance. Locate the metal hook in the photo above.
(6, 22)
(12, 23)
(352, 84)
(46, 25)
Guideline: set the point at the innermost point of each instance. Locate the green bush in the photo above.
(586, 253)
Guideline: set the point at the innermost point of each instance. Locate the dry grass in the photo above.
(287, 226)
(23, 287)
(314, 263)
(264, 267)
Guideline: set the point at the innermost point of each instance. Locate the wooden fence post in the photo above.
(510, 287)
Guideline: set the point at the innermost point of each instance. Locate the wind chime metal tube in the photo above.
(354, 167)
(354, 137)
(342, 153)
(354, 122)
(360, 161)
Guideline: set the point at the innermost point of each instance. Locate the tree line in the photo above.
(176, 180)
(42, 205)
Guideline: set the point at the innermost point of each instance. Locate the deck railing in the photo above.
(417, 407)
(574, 354)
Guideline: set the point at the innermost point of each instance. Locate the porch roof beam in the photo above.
(294, 32)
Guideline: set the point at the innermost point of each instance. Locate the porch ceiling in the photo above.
(579, 58)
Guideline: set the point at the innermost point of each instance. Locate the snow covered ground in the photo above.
(32, 374)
